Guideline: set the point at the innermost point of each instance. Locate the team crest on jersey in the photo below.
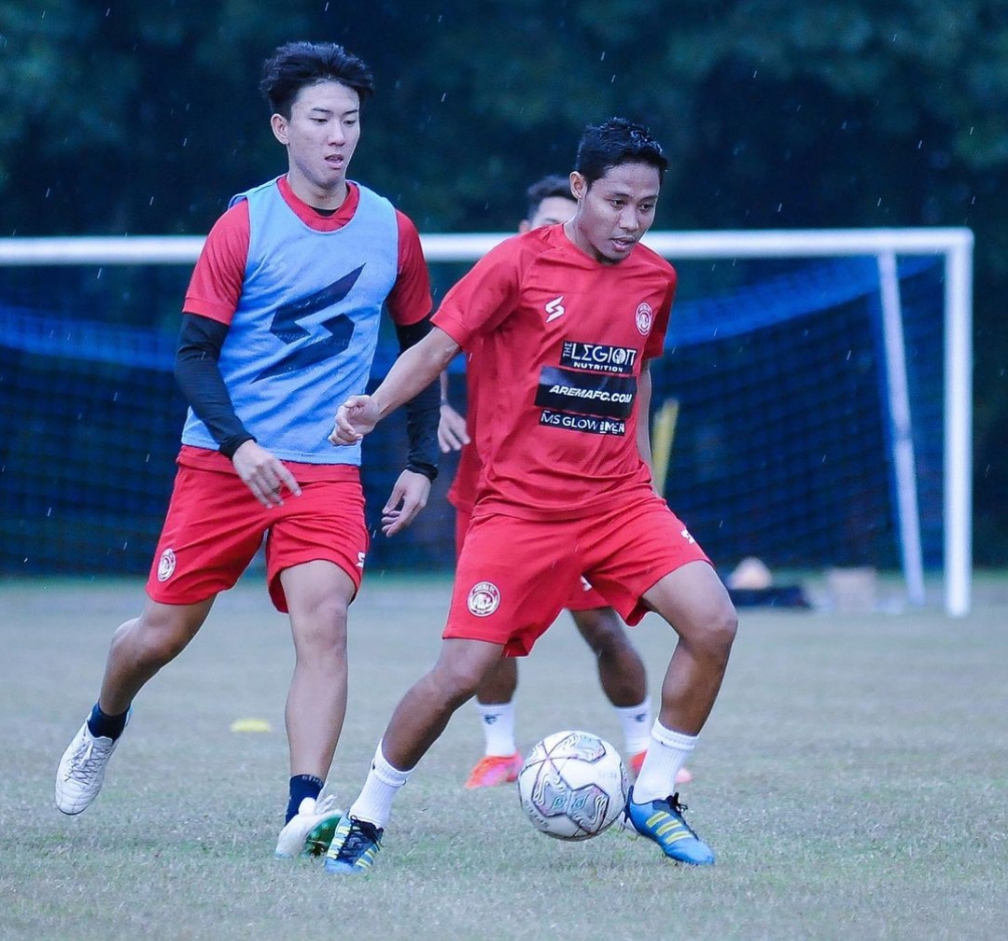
(484, 599)
(644, 318)
(166, 565)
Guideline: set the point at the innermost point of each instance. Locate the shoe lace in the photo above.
(359, 840)
(80, 766)
(679, 808)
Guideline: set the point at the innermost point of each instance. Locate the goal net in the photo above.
(812, 408)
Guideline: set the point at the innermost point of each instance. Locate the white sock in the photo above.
(374, 803)
(636, 724)
(497, 720)
(666, 754)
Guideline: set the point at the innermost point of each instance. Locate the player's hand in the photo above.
(408, 498)
(264, 474)
(354, 418)
(451, 431)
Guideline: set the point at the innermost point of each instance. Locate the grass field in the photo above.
(853, 780)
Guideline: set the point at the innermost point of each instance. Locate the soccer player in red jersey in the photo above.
(570, 316)
(280, 325)
(621, 671)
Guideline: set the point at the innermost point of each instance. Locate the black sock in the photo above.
(104, 726)
(302, 786)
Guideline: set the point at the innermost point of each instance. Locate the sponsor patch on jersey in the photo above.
(484, 599)
(166, 565)
(598, 357)
(644, 318)
(589, 424)
(583, 393)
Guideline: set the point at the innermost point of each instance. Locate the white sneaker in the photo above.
(82, 770)
(310, 831)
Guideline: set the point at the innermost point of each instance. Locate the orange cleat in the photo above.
(495, 769)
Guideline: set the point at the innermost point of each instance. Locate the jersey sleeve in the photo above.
(217, 279)
(410, 299)
(483, 297)
(655, 345)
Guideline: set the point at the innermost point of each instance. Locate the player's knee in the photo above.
(154, 641)
(458, 680)
(602, 630)
(721, 627)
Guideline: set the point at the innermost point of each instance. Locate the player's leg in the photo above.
(621, 673)
(501, 760)
(495, 696)
(139, 648)
(318, 596)
(694, 601)
(417, 722)
(314, 559)
(212, 530)
(494, 590)
(627, 550)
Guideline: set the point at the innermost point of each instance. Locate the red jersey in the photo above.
(562, 341)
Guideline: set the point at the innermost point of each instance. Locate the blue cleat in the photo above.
(354, 847)
(662, 821)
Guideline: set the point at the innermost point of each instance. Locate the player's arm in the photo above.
(412, 488)
(410, 374)
(422, 411)
(200, 379)
(211, 300)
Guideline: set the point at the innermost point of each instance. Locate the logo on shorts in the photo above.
(360, 560)
(166, 565)
(686, 535)
(644, 318)
(484, 599)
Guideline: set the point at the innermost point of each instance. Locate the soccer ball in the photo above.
(573, 785)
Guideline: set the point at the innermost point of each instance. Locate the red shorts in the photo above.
(582, 596)
(215, 526)
(514, 576)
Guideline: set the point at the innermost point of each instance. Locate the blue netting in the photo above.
(779, 450)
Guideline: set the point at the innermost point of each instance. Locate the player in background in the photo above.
(570, 317)
(621, 671)
(279, 326)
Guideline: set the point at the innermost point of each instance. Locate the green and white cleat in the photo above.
(310, 831)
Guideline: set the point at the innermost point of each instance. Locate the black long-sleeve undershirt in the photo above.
(199, 377)
(423, 411)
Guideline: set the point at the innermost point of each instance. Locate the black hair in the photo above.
(615, 142)
(547, 188)
(296, 65)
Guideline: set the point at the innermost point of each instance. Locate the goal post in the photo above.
(953, 247)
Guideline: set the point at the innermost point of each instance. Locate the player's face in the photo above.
(551, 211)
(320, 136)
(615, 211)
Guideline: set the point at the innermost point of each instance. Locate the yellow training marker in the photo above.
(250, 725)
